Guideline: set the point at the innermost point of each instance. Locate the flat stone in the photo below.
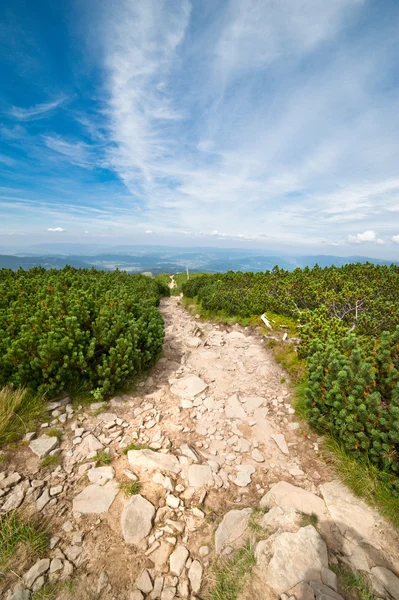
(136, 520)
(14, 500)
(20, 595)
(281, 443)
(323, 592)
(9, 481)
(234, 409)
(158, 586)
(144, 582)
(154, 461)
(195, 576)
(172, 501)
(43, 500)
(56, 565)
(43, 445)
(243, 476)
(136, 595)
(161, 555)
(329, 579)
(199, 476)
(252, 403)
(388, 580)
(38, 569)
(95, 499)
(233, 529)
(281, 517)
(188, 386)
(194, 342)
(73, 552)
(90, 444)
(257, 455)
(203, 551)
(100, 475)
(177, 560)
(285, 494)
(168, 593)
(286, 559)
(301, 591)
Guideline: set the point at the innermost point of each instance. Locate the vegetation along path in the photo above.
(202, 484)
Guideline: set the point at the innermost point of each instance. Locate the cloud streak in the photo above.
(37, 111)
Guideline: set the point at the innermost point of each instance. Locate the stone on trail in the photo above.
(43, 445)
(244, 473)
(257, 455)
(177, 560)
(40, 567)
(101, 475)
(14, 500)
(95, 499)
(234, 409)
(278, 517)
(144, 582)
(89, 445)
(136, 595)
(188, 386)
(388, 580)
(199, 476)
(233, 530)
(20, 595)
(195, 576)
(281, 443)
(323, 592)
(148, 459)
(136, 520)
(285, 494)
(301, 591)
(286, 559)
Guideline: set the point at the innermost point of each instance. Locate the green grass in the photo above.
(311, 519)
(51, 590)
(179, 278)
(135, 446)
(54, 433)
(20, 411)
(364, 479)
(15, 531)
(130, 488)
(354, 586)
(102, 458)
(50, 461)
(230, 575)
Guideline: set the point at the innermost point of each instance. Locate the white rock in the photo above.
(136, 520)
(195, 576)
(40, 567)
(199, 476)
(233, 529)
(152, 461)
(163, 480)
(279, 517)
(100, 475)
(172, 501)
(203, 551)
(158, 586)
(136, 595)
(280, 441)
(43, 445)
(188, 386)
(388, 580)
(177, 560)
(144, 582)
(14, 500)
(234, 409)
(244, 473)
(284, 494)
(95, 499)
(43, 500)
(257, 455)
(9, 481)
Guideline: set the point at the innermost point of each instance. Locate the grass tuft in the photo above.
(51, 461)
(135, 446)
(230, 575)
(354, 586)
(15, 531)
(54, 433)
(309, 520)
(102, 458)
(130, 488)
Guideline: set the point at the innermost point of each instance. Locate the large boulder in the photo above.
(233, 530)
(136, 520)
(284, 494)
(286, 559)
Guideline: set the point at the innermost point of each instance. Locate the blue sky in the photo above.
(203, 122)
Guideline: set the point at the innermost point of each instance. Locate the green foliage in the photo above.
(76, 328)
(14, 531)
(311, 519)
(102, 458)
(135, 446)
(355, 585)
(20, 410)
(230, 575)
(130, 488)
(50, 461)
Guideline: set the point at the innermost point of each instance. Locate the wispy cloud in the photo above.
(56, 229)
(37, 111)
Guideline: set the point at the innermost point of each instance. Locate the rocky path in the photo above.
(212, 439)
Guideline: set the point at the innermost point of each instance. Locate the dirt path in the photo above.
(215, 431)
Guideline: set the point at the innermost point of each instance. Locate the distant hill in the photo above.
(172, 260)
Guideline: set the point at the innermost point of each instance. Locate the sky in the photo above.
(237, 123)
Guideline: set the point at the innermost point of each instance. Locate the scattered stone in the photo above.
(281, 443)
(38, 569)
(172, 501)
(144, 582)
(284, 517)
(56, 565)
(43, 445)
(329, 579)
(100, 475)
(190, 452)
(323, 592)
(56, 490)
(302, 591)
(188, 386)
(136, 595)
(199, 475)
(158, 586)
(95, 499)
(43, 500)
(234, 410)
(203, 551)
(195, 576)
(257, 456)
(152, 461)
(233, 529)
(103, 581)
(163, 480)
(9, 481)
(284, 494)
(14, 500)
(244, 473)
(136, 520)
(73, 552)
(20, 595)
(177, 560)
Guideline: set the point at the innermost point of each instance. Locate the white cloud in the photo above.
(395, 239)
(148, 230)
(366, 237)
(55, 229)
(34, 112)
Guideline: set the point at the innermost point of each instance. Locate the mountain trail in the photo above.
(220, 459)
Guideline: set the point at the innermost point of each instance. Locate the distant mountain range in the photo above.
(172, 260)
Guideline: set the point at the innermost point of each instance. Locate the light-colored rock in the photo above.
(95, 499)
(285, 494)
(194, 342)
(100, 475)
(329, 579)
(199, 476)
(56, 490)
(257, 455)
(190, 452)
(89, 446)
(233, 530)
(103, 581)
(154, 461)
(14, 500)
(234, 409)
(172, 501)
(43, 500)
(281, 443)
(56, 565)
(177, 560)
(281, 517)
(38, 569)
(73, 552)
(348, 511)
(43, 445)
(163, 480)
(203, 551)
(136, 595)
(136, 520)
(20, 595)
(286, 559)
(388, 580)
(10, 481)
(301, 591)
(168, 593)
(244, 473)
(161, 555)
(144, 582)
(188, 386)
(158, 586)
(323, 592)
(195, 576)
